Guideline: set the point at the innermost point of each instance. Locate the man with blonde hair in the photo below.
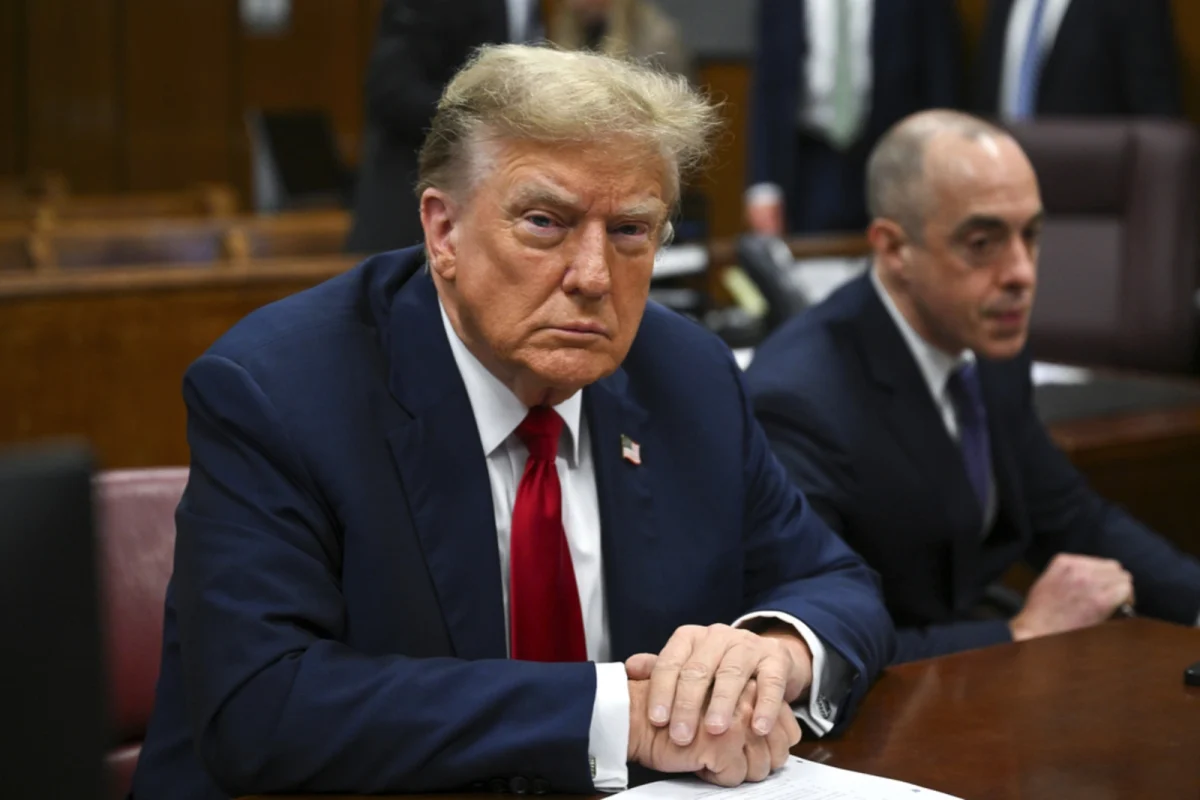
(478, 515)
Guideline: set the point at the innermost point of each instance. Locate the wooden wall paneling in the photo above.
(12, 88)
(728, 82)
(316, 64)
(103, 356)
(74, 118)
(177, 63)
(1186, 15)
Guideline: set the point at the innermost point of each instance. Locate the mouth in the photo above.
(1011, 317)
(582, 330)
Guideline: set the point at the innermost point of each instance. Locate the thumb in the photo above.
(639, 666)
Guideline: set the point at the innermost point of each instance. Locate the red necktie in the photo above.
(545, 620)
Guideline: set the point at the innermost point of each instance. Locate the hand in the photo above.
(765, 217)
(1074, 592)
(726, 759)
(721, 659)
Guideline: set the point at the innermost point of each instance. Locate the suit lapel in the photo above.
(915, 423)
(992, 52)
(1004, 466)
(629, 536)
(440, 462)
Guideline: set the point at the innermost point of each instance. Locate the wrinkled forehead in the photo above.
(581, 175)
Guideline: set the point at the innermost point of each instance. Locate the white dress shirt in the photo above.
(520, 14)
(815, 111)
(820, 64)
(936, 367)
(497, 413)
(1015, 41)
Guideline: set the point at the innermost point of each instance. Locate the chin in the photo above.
(573, 369)
(1002, 348)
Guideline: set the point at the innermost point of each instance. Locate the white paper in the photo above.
(798, 780)
(1047, 374)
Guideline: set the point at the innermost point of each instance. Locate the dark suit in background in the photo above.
(335, 622)
(849, 414)
(914, 65)
(1109, 58)
(420, 46)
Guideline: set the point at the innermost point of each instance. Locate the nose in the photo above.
(1021, 272)
(588, 270)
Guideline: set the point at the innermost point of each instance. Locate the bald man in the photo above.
(903, 407)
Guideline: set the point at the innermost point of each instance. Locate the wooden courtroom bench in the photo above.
(56, 204)
(101, 353)
(184, 240)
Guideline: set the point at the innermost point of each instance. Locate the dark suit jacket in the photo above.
(335, 620)
(915, 60)
(1110, 58)
(848, 413)
(420, 45)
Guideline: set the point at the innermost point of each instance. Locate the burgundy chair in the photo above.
(1119, 263)
(136, 527)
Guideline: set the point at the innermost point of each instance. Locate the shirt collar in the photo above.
(497, 410)
(935, 364)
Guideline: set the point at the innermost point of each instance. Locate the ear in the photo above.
(440, 219)
(890, 244)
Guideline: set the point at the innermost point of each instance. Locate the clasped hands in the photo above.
(741, 683)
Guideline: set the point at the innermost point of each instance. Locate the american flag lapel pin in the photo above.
(631, 451)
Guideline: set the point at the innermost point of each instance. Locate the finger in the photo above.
(724, 758)
(772, 676)
(734, 773)
(639, 666)
(732, 674)
(665, 674)
(783, 737)
(758, 759)
(695, 681)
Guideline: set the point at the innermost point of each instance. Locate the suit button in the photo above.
(541, 786)
(519, 785)
(498, 785)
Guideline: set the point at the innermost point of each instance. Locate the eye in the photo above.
(540, 221)
(632, 229)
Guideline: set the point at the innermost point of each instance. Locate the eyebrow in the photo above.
(536, 194)
(993, 223)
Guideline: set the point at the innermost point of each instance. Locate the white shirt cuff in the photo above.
(809, 712)
(608, 737)
(764, 193)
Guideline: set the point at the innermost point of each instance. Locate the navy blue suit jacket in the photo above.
(915, 65)
(335, 619)
(849, 414)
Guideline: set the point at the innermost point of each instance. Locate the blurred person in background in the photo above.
(634, 28)
(830, 77)
(903, 407)
(1078, 58)
(419, 47)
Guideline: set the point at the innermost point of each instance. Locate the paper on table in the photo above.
(798, 780)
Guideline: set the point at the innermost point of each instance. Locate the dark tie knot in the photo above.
(540, 431)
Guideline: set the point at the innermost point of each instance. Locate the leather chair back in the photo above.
(136, 526)
(1118, 275)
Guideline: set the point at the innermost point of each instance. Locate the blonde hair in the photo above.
(542, 94)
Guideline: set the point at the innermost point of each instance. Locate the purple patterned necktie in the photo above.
(967, 395)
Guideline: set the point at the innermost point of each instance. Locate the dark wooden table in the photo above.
(1144, 457)
(1100, 713)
